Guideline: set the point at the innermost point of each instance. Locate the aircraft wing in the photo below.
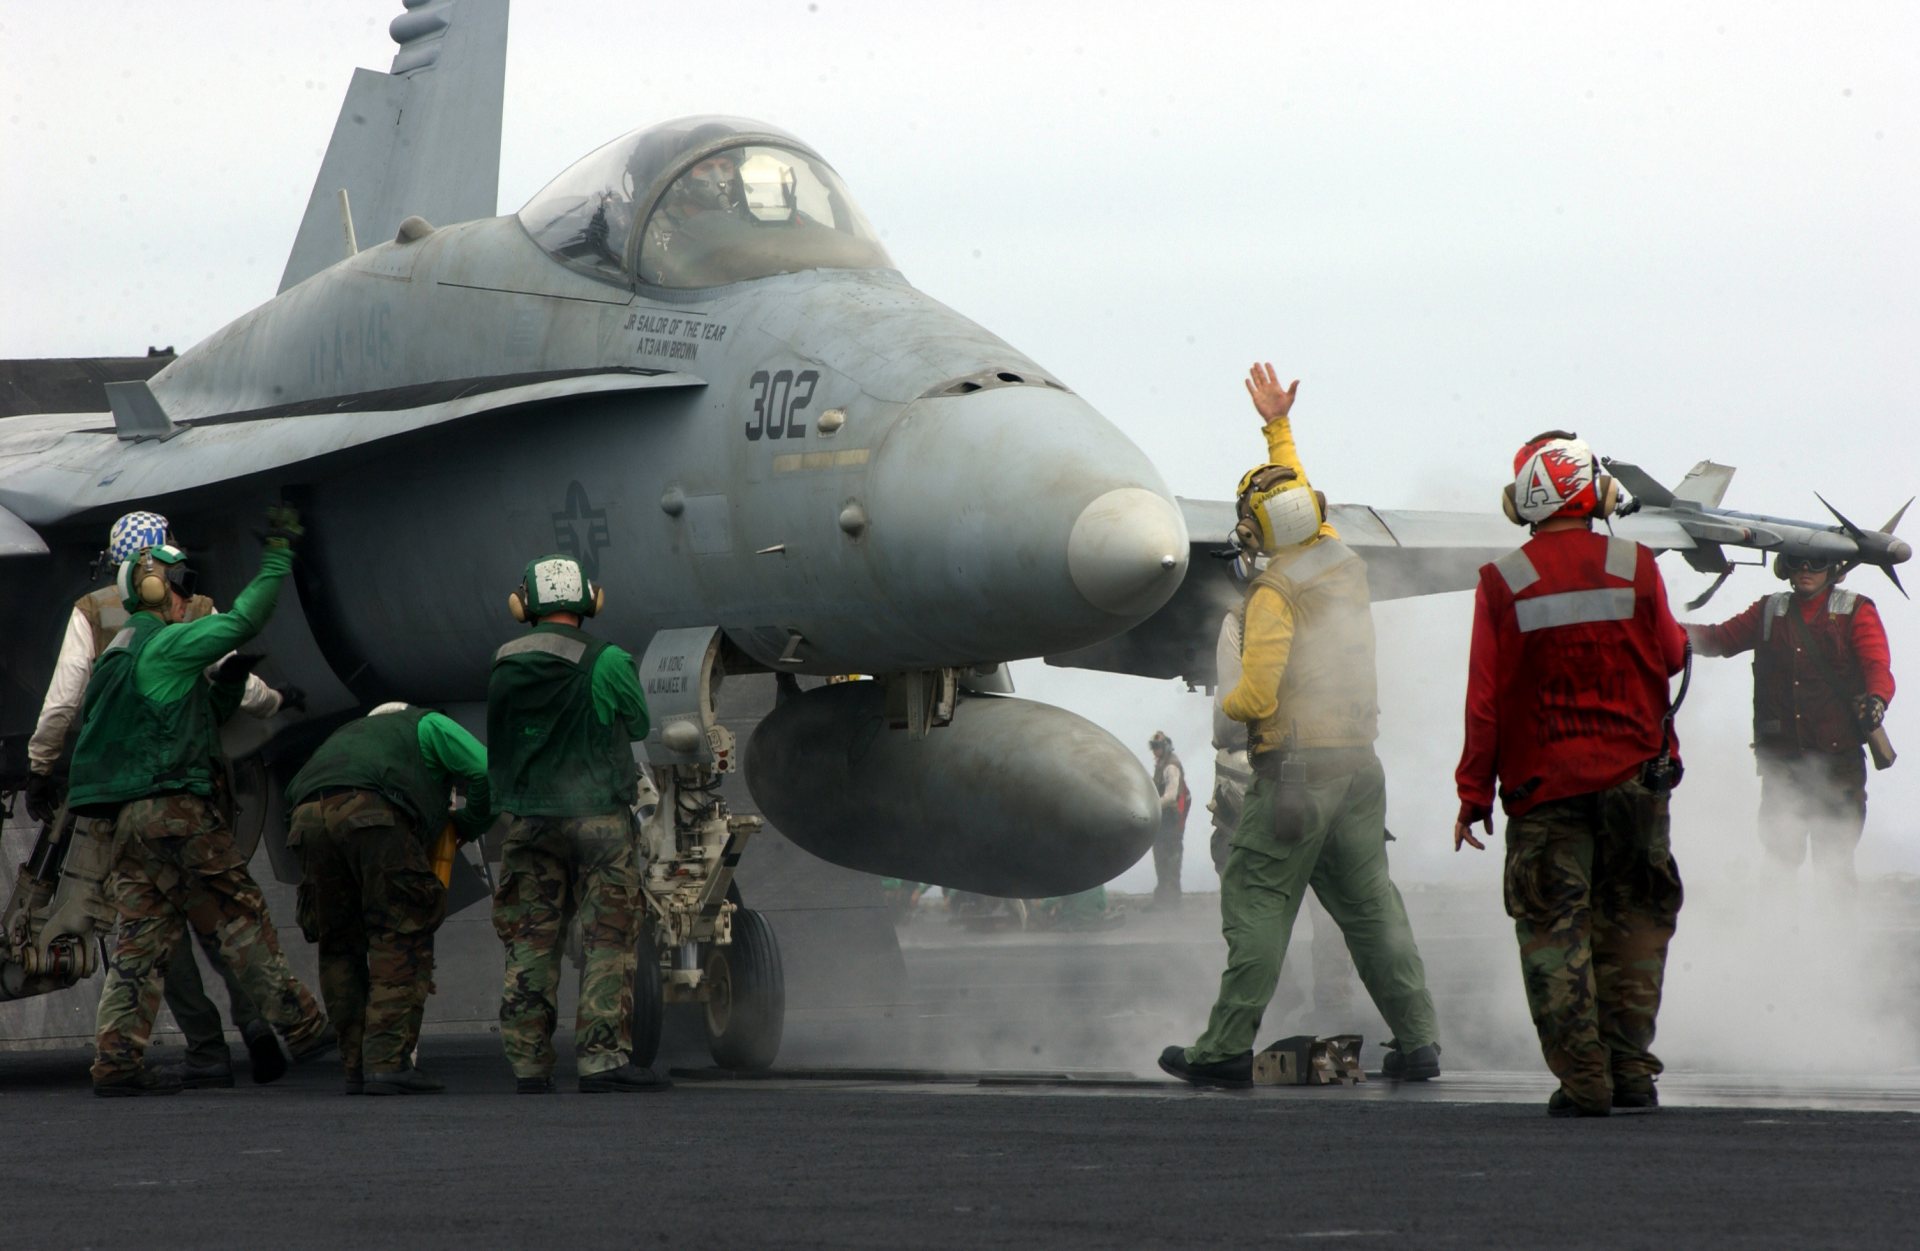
(57, 466)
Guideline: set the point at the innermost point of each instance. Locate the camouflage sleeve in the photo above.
(616, 692)
(447, 747)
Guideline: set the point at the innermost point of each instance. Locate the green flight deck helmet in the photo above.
(555, 584)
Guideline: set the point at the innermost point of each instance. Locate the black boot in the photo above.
(141, 1081)
(1419, 1065)
(533, 1086)
(1561, 1105)
(1234, 1073)
(269, 1060)
(201, 1074)
(1637, 1096)
(628, 1079)
(403, 1082)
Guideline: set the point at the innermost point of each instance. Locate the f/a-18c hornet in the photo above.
(689, 362)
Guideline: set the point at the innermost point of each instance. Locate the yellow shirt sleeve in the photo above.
(1281, 451)
(1263, 658)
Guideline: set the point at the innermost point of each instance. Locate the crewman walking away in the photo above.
(1170, 780)
(562, 709)
(96, 618)
(367, 809)
(148, 753)
(1315, 814)
(1567, 708)
(1822, 680)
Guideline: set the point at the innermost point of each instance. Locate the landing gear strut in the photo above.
(698, 944)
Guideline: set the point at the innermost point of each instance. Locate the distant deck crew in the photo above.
(1568, 714)
(367, 810)
(1315, 813)
(1170, 781)
(147, 757)
(1822, 680)
(563, 709)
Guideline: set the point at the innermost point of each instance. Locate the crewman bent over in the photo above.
(367, 809)
(1567, 708)
(562, 711)
(148, 753)
(1315, 814)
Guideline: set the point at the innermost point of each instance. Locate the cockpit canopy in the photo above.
(701, 202)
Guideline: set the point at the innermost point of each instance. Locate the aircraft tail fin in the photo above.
(1641, 483)
(421, 139)
(1705, 484)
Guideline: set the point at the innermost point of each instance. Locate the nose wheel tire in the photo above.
(649, 1011)
(746, 1004)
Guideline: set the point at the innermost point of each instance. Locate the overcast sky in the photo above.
(1685, 231)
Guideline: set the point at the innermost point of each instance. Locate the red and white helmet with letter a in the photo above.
(1554, 476)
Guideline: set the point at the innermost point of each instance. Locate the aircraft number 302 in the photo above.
(778, 399)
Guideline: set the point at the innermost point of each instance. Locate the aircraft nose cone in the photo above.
(1127, 551)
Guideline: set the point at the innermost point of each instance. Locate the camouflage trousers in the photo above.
(1594, 894)
(1340, 853)
(175, 867)
(551, 866)
(369, 899)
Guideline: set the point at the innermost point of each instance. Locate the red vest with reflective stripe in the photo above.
(1582, 681)
(1794, 707)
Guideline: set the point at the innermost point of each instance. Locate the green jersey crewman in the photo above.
(147, 753)
(367, 809)
(563, 709)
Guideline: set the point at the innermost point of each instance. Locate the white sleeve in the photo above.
(1170, 793)
(260, 700)
(64, 693)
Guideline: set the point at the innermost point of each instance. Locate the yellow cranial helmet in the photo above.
(1277, 509)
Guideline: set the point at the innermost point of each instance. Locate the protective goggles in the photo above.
(1807, 564)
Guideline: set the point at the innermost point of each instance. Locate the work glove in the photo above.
(292, 699)
(283, 526)
(43, 796)
(233, 667)
(1871, 711)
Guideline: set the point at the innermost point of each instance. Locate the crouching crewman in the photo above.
(366, 811)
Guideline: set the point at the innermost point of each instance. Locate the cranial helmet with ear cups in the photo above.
(146, 577)
(1276, 509)
(555, 584)
(1554, 476)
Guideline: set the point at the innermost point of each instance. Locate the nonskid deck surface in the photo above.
(870, 1157)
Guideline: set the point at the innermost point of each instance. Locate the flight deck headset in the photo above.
(584, 595)
(1606, 490)
(145, 579)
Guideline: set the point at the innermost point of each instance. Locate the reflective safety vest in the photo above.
(1329, 694)
(1795, 708)
(1583, 644)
